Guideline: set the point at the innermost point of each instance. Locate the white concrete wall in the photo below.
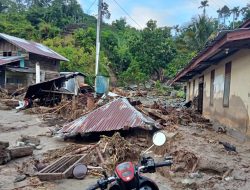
(237, 114)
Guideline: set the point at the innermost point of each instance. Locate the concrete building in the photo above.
(220, 77)
(25, 62)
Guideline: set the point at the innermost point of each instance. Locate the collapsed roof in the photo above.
(116, 115)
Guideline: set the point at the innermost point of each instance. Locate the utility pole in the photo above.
(98, 28)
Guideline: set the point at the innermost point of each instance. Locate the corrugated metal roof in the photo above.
(33, 47)
(7, 60)
(116, 115)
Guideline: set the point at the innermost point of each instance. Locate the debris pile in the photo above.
(169, 116)
(107, 153)
(67, 109)
(113, 150)
(4, 153)
(3, 93)
(26, 140)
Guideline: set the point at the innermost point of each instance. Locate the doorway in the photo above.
(200, 95)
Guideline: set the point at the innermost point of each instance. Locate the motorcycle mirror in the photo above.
(159, 138)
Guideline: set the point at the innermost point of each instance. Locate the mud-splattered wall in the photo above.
(237, 114)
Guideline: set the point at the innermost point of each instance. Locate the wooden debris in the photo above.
(61, 168)
(18, 152)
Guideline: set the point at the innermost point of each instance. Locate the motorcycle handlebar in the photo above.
(102, 183)
(165, 163)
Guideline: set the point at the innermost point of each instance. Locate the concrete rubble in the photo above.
(200, 162)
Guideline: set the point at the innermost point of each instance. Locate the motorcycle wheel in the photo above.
(146, 188)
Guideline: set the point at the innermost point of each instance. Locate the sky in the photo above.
(165, 12)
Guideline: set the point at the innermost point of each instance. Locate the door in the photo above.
(200, 95)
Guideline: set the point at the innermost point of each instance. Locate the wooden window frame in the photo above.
(227, 84)
(5, 54)
(212, 76)
(193, 87)
(189, 90)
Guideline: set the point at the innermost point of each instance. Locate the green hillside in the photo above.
(131, 54)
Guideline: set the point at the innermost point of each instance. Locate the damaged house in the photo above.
(219, 77)
(23, 62)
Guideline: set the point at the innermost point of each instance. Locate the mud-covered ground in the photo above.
(13, 124)
(200, 162)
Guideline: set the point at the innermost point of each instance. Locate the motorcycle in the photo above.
(128, 176)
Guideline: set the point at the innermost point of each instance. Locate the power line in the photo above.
(90, 6)
(127, 13)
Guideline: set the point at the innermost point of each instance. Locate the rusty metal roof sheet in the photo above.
(7, 60)
(116, 115)
(33, 47)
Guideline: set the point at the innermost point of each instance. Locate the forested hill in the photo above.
(133, 55)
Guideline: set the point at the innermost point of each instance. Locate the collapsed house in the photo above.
(219, 77)
(23, 62)
(54, 90)
(116, 115)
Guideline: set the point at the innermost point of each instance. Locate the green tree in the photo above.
(197, 33)
(203, 6)
(154, 49)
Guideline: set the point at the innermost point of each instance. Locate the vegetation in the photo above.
(133, 55)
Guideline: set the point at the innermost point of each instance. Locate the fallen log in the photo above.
(211, 165)
(18, 152)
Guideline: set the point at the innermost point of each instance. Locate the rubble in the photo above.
(199, 163)
(4, 152)
(29, 140)
(3, 93)
(107, 153)
(169, 116)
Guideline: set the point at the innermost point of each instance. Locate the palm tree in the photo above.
(236, 13)
(176, 28)
(245, 11)
(203, 6)
(199, 31)
(225, 12)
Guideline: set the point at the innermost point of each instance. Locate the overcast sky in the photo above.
(166, 12)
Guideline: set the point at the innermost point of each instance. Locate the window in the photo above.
(6, 54)
(193, 88)
(227, 82)
(212, 88)
(15, 81)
